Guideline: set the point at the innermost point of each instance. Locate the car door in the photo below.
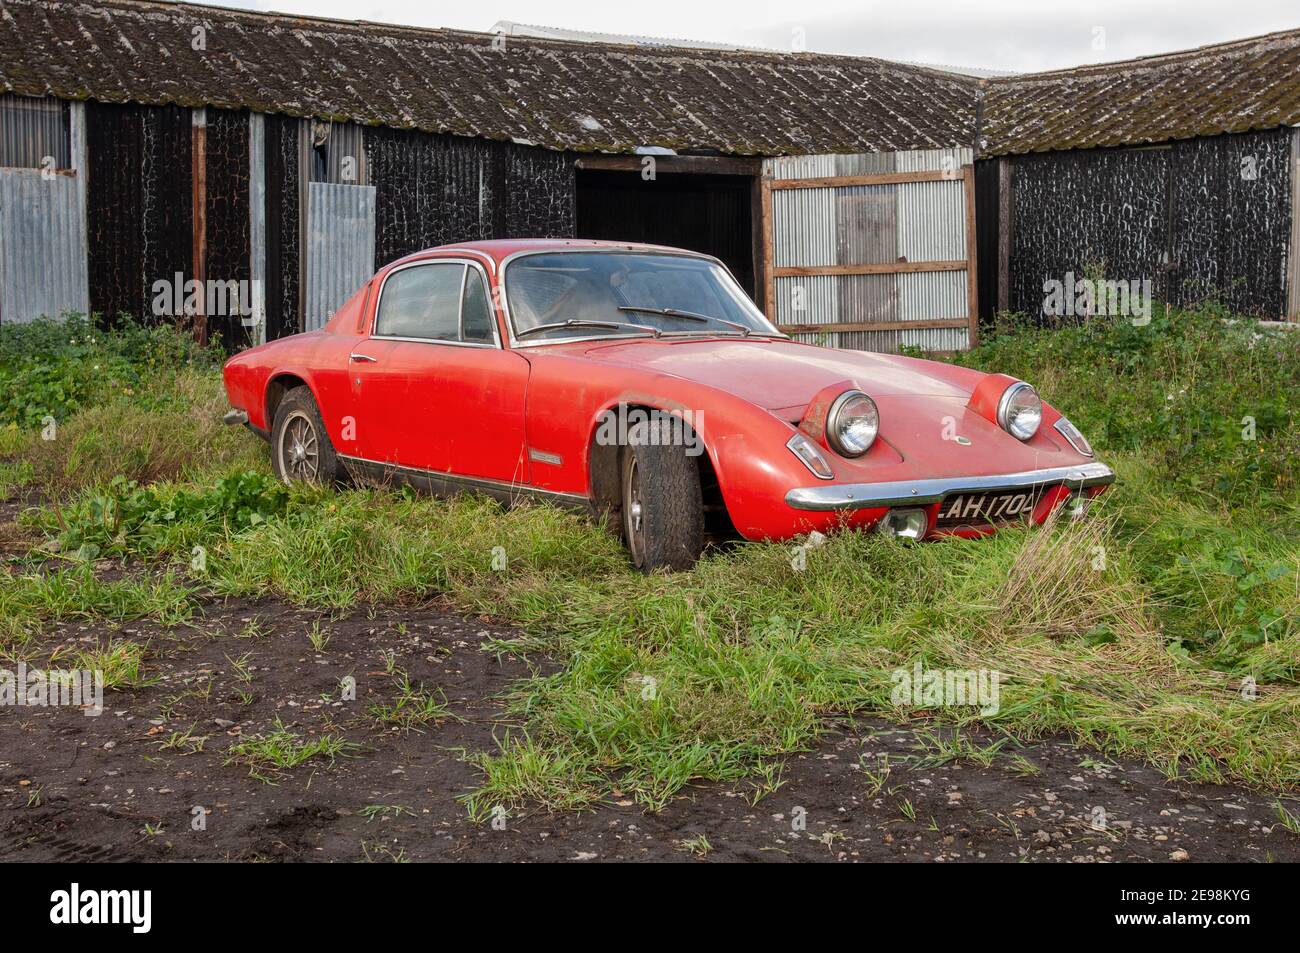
(435, 389)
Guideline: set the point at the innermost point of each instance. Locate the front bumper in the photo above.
(858, 496)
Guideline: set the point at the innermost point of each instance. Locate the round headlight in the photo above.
(852, 424)
(1020, 411)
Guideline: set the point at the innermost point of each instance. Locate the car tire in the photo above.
(301, 451)
(662, 505)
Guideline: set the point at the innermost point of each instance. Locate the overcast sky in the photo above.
(993, 34)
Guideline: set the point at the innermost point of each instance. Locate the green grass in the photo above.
(372, 812)
(79, 404)
(524, 773)
(414, 708)
(697, 846)
(184, 742)
(30, 603)
(123, 518)
(269, 754)
(1175, 393)
(1163, 628)
(935, 750)
(121, 661)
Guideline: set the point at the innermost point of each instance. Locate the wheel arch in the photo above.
(277, 386)
(604, 469)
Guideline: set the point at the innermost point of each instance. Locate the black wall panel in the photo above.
(227, 213)
(282, 237)
(1203, 219)
(704, 213)
(436, 190)
(139, 205)
(987, 228)
(539, 193)
(1232, 221)
(1100, 210)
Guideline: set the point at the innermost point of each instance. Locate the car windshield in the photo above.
(599, 294)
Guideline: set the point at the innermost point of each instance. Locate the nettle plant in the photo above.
(124, 518)
(55, 368)
(1250, 611)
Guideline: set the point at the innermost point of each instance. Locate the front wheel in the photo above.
(663, 508)
(301, 451)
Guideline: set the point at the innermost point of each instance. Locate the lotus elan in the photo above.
(641, 384)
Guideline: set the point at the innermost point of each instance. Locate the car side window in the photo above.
(422, 302)
(476, 312)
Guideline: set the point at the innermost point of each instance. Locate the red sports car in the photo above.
(640, 382)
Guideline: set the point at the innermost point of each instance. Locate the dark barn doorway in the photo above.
(704, 212)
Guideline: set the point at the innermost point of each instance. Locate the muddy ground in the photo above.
(74, 787)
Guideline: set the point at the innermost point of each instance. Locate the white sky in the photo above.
(993, 34)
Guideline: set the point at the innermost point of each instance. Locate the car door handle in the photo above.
(362, 358)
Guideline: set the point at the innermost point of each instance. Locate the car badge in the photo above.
(964, 441)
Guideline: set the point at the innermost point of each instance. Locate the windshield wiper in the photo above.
(689, 316)
(577, 323)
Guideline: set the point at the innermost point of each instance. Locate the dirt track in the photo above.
(74, 787)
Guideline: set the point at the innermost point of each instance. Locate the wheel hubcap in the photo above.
(300, 450)
(635, 512)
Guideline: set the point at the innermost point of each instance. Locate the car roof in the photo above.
(500, 249)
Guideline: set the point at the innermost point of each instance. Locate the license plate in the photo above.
(984, 509)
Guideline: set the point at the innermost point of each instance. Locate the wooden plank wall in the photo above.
(770, 271)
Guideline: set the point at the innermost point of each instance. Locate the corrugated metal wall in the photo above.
(340, 247)
(257, 224)
(1202, 218)
(872, 224)
(32, 131)
(42, 247)
(335, 151)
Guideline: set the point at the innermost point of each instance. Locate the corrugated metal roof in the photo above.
(511, 28)
(617, 97)
(1230, 87)
(552, 93)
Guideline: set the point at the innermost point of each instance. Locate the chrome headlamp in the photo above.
(1020, 411)
(852, 423)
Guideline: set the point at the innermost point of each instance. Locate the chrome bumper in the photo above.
(858, 496)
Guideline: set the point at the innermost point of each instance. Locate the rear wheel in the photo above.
(301, 451)
(663, 509)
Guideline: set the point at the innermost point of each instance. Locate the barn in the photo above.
(242, 173)
(1180, 170)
